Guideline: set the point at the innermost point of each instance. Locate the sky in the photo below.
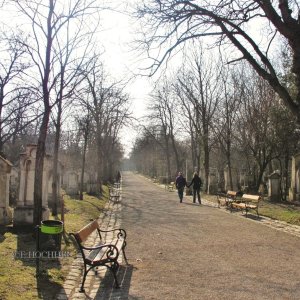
(119, 31)
(116, 34)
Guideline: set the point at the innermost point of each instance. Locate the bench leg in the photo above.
(123, 251)
(114, 269)
(81, 290)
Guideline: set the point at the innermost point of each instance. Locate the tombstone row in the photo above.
(22, 213)
(241, 181)
(21, 183)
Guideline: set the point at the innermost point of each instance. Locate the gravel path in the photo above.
(186, 251)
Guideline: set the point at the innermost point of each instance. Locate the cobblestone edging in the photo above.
(109, 219)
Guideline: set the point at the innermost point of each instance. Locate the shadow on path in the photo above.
(108, 291)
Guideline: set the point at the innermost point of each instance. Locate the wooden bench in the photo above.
(170, 186)
(105, 253)
(114, 192)
(247, 203)
(154, 179)
(226, 199)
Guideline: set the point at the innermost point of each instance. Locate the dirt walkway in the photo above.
(186, 251)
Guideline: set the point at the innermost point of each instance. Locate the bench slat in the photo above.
(254, 198)
(96, 254)
(239, 205)
(84, 233)
(231, 194)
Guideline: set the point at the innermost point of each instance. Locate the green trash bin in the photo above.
(50, 234)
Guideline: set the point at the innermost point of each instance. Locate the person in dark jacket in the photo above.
(180, 184)
(197, 183)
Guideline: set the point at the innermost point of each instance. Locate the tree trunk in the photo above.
(99, 167)
(55, 161)
(228, 155)
(39, 166)
(55, 168)
(167, 153)
(83, 165)
(206, 165)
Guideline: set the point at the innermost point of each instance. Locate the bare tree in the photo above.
(84, 127)
(163, 109)
(108, 107)
(257, 136)
(200, 87)
(15, 98)
(49, 22)
(168, 24)
(73, 60)
(227, 114)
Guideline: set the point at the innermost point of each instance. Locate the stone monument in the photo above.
(234, 176)
(294, 192)
(23, 213)
(5, 212)
(274, 186)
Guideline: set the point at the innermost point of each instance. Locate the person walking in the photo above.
(118, 177)
(197, 183)
(180, 184)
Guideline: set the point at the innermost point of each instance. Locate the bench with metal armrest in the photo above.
(114, 192)
(226, 199)
(247, 202)
(105, 253)
(170, 186)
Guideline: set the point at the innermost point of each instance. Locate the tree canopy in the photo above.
(252, 27)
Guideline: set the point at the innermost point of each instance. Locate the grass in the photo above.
(18, 278)
(282, 211)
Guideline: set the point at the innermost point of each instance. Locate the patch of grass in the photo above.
(79, 213)
(286, 212)
(280, 211)
(18, 278)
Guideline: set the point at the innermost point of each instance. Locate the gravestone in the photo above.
(294, 192)
(212, 181)
(23, 213)
(244, 179)
(234, 179)
(5, 212)
(86, 180)
(13, 186)
(274, 187)
(92, 186)
(71, 183)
